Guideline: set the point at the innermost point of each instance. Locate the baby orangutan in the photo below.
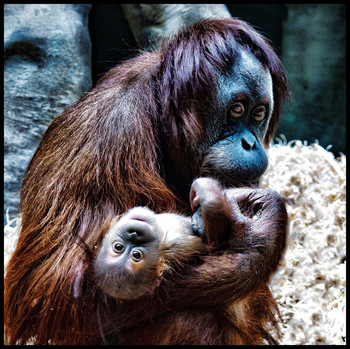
(140, 245)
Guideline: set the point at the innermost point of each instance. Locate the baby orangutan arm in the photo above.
(241, 240)
(247, 229)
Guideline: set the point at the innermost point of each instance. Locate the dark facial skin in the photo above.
(235, 122)
(238, 123)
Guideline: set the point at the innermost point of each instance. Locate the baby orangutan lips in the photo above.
(197, 223)
(197, 231)
(139, 226)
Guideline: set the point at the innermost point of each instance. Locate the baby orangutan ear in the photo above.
(160, 270)
(160, 266)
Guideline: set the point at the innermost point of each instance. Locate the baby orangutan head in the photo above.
(136, 250)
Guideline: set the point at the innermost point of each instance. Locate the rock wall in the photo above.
(46, 68)
(314, 56)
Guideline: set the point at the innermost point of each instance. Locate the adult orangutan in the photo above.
(205, 104)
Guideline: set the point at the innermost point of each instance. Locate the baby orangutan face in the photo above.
(130, 262)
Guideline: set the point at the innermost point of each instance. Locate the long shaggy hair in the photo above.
(100, 158)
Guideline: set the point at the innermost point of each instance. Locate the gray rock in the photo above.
(46, 68)
(314, 56)
(150, 23)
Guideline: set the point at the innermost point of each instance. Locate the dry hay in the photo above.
(310, 283)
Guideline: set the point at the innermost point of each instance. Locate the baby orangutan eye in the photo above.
(118, 247)
(136, 255)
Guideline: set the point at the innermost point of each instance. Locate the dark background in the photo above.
(310, 39)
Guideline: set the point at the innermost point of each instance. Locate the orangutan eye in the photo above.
(259, 113)
(118, 247)
(237, 110)
(136, 255)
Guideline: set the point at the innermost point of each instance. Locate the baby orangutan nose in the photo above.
(139, 236)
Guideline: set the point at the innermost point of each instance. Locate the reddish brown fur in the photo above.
(239, 309)
(101, 157)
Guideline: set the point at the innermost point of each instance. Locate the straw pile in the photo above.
(310, 284)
